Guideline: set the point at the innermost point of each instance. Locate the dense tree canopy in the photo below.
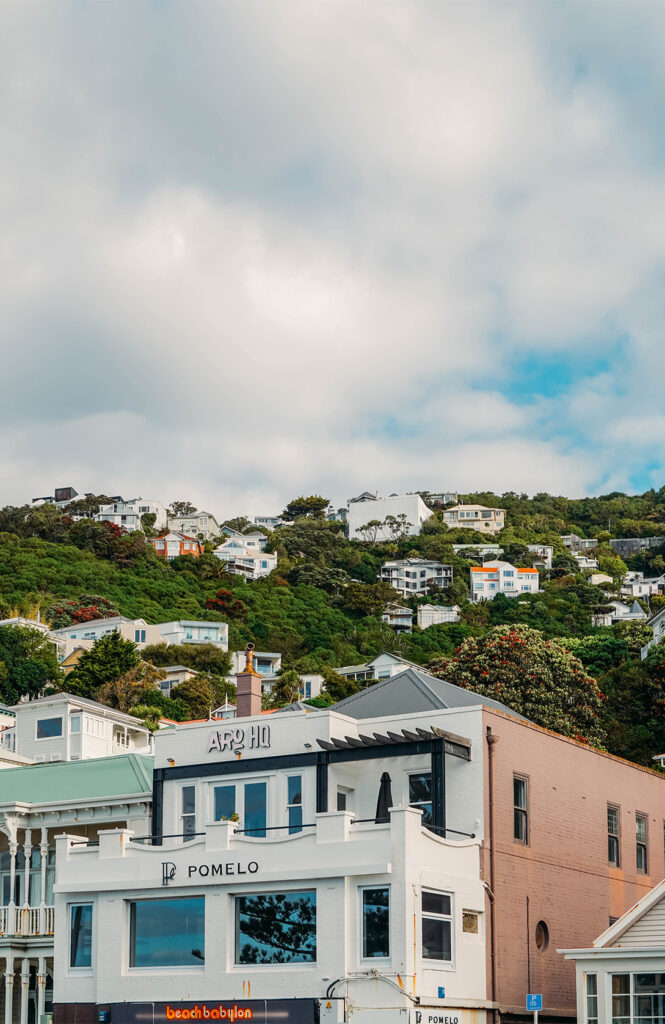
(28, 663)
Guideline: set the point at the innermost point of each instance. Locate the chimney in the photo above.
(248, 683)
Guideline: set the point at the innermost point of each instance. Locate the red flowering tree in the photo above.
(534, 676)
(84, 609)
(227, 604)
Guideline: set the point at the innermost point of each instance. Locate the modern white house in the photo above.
(399, 514)
(127, 514)
(544, 554)
(194, 631)
(383, 666)
(412, 576)
(437, 614)
(657, 623)
(502, 578)
(584, 561)
(38, 803)
(475, 517)
(399, 617)
(617, 611)
(245, 555)
(138, 631)
(621, 977)
(637, 585)
(63, 727)
(266, 663)
(270, 522)
(198, 524)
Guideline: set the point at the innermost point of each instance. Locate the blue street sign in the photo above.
(442, 992)
(534, 1002)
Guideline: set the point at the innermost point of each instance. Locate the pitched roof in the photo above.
(123, 774)
(411, 691)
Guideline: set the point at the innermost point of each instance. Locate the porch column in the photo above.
(25, 988)
(13, 850)
(43, 866)
(27, 851)
(41, 987)
(9, 990)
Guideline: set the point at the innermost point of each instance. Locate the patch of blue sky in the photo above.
(553, 376)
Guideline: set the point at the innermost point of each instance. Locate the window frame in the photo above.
(440, 964)
(616, 838)
(362, 889)
(525, 811)
(131, 934)
(421, 804)
(277, 891)
(642, 846)
(88, 968)
(51, 718)
(293, 827)
(183, 815)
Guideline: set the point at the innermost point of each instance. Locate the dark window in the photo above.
(436, 926)
(167, 932)
(341, 799)
(48, 728)
(188, 812)
(225, 802)
(276, 928)
(376, 922)
(420, 794)
(591, 983)
(80, 935)
(520, 810)
(641, 843)
(255, 809)
(613, 848)
(542, 936)
(294, 798)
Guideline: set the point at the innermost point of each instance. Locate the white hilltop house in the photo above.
(198, 524)
(494, 578)
(245, 555)
(475, 517)
(367, 507)
(437, 614)
(411, 577)
(127, 514)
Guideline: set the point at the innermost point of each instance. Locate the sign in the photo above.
(441, 992)
(534, 1002)
(233, 1011)
(168, 871)
(222, 870)
(441, 1015)
(235, 739)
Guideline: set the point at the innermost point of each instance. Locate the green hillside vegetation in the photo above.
(322, 605)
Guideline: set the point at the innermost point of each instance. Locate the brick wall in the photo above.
(564, 869)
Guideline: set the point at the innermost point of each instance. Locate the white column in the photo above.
(13, 850)
(9, 990)
(25, 985)
(27, 850)
(43, 866)
(41, 988)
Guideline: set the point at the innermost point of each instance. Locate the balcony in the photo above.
(26, 921)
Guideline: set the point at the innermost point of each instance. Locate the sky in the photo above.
(253, 250)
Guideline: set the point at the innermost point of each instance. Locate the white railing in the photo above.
(26, 920)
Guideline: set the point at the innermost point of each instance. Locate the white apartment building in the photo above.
(198, 524)
(138, 631)
(544, 553)
(399, 617)
(127, 514)
(475, 517)
(584, 562)
(67, 728)
(350, 891)
(502, 578)
(412, 576)
(245, 555)
(437, 614)
(38, 803)
(368, 507)
(194, 631)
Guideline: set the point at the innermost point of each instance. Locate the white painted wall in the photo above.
(411, 505)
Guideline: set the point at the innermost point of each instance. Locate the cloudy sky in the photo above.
(253, 249)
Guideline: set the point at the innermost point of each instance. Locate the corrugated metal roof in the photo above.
(409, 692)
(129, 774)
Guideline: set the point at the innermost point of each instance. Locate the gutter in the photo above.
(491, 740)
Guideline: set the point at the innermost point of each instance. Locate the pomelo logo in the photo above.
(203, 1012)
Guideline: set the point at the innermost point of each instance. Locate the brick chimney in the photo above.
(248, 683)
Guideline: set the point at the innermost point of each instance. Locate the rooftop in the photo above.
(62, 781)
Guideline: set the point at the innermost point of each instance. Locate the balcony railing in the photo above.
(26, 921)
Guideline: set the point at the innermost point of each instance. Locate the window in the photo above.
(80, 935)
(613, 847)
(520, 810)
(436, 926)
(255, 809)
(49, 728)
(343, 798)
(542, 936)
(225, 802)
(188, 812)
(376, 923)
(643, 993)
(276, 928)
(75, 723)
(641, 843)
(294, 803)
(167, 932)
(420, 795)
(139, 636)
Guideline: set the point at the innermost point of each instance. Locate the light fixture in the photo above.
(171, 761)
(308, 744)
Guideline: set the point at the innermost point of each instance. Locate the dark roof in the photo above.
(412, 691)
(297, 705)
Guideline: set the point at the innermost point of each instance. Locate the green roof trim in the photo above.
(96, 778)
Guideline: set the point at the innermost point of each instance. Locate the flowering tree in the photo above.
(538, 678)
(84, 609)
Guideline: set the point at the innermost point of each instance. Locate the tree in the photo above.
(314, 506)
(240, 523)
(635, 635)
(83, 609)
(28, 663)
(370, 531)
(338, 687)
(148, 520)
(286, 690)
(225, 603)
(110, 658)
(370, 599)
(181, 508)
(398, 526)
(634, 717)
(538, 678)
(198, 695)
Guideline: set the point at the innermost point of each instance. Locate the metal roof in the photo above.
(412, 691)
(112, 777)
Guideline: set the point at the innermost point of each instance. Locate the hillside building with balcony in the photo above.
(412, 577)
(475, 517)
(494, 578)
(128, 514)
(437, 614)
(245, 555)
(198, 524)
(172, 545)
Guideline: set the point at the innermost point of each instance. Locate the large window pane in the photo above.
(294, 784)
(255, 808)
(47, 728)
(436, 939)
(80, 935)
(276, 928)
(420, 794)
(167, 932)
(376, 922)
(225, 802)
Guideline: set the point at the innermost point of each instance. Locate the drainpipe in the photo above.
(491, 740)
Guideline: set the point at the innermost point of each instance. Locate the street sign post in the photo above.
(534, 1002)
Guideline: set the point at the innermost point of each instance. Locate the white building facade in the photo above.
(437, 614)
(367, 508)
(475, 517)
(138, 631)
(281, 890)
(502, 578)
(127, 514)
(412, 576)
(198, 524)
(244, 555)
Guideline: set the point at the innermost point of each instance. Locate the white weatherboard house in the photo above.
(494, 578)
(317, 903)
(475, 517)
(127, 514)
(369, 507)
(621, 978)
